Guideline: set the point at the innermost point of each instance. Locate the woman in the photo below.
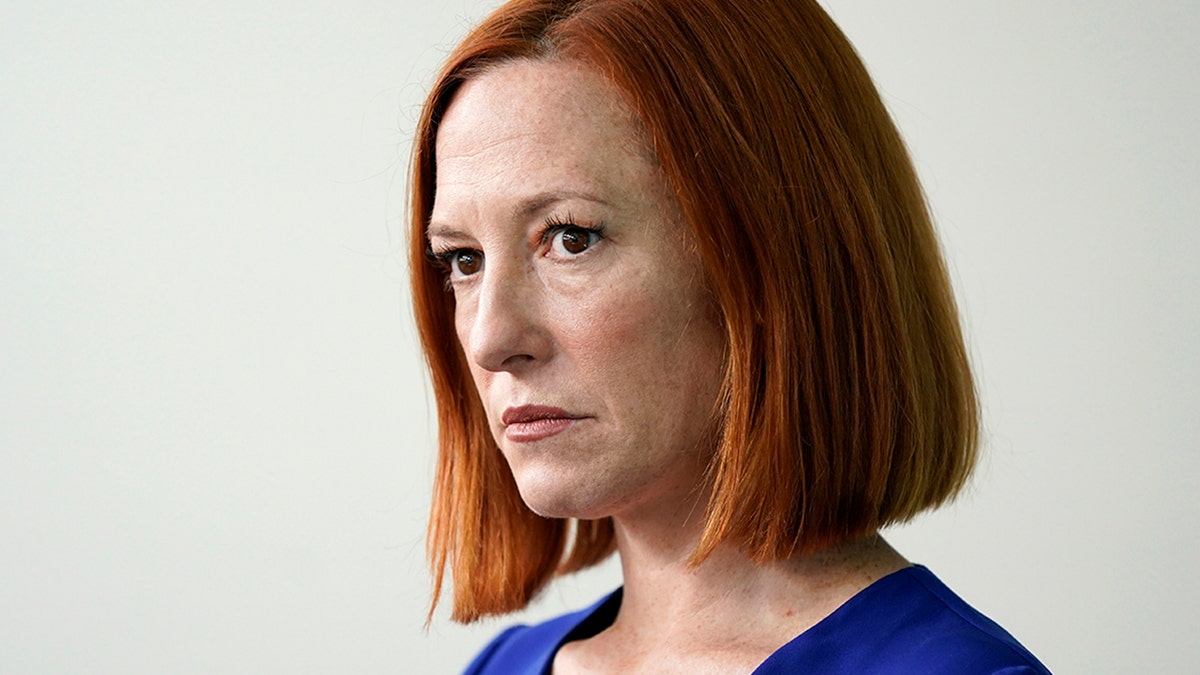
(681, 298)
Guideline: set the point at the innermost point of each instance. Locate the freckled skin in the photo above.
(622, 334)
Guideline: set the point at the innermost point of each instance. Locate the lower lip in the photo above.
(524, 432)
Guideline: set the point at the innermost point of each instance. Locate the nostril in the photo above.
(517, 359)
(504, 326)
(505, 342)
(512, 350)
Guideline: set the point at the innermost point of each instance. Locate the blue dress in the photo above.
(907, 622)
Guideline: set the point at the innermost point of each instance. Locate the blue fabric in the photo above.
(907, 622)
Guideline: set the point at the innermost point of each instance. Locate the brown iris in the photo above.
(576, 240)
(468, 262)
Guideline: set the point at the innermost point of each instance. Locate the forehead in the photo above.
(539, 124)
(517, 96)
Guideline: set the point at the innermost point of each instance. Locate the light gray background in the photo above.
(214, 424)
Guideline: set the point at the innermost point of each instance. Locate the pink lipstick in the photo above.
(528, 423)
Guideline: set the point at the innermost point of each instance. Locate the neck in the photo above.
(728, 598)
(724, 615)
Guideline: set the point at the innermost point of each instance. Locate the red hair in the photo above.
(848, 402)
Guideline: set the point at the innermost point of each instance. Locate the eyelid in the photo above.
(440, 255)
(436, 254)
(445, 259)
(556, 223)
(444, 255)
(439, 249)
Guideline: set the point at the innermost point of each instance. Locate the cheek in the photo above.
(608, 331)
(461, 327)
(644, 341)
(462, 331)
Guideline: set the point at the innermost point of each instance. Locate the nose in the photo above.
(503, 328)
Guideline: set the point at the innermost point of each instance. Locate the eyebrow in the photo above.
(525, 208)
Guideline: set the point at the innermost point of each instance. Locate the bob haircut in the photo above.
(847, 400)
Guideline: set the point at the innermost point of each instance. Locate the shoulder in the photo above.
(523, 649)
(963, 636)
(907, 622)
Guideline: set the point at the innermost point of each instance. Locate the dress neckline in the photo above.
(601, 615)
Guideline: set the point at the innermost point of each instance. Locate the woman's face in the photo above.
(578, 299)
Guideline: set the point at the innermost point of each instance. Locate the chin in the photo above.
(563, 506)
(565, 499)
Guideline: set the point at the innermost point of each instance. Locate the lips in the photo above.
(529, 423)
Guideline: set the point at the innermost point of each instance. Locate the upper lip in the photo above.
(532, 413)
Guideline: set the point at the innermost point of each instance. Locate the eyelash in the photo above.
(555, 224)
(551, 226)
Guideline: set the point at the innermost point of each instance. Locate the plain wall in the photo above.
(214, 423)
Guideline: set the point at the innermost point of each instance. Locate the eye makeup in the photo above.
(567, 237)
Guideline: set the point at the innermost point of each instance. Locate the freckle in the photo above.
(789, 613)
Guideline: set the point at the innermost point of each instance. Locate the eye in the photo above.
(572, 240)
(459, 262)
(464, 262)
